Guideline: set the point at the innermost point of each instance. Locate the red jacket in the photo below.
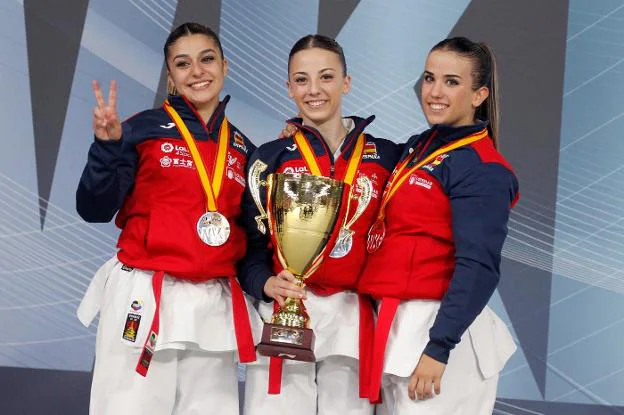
(445, 228)
(150, 177)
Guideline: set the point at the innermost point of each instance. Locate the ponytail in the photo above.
(484, 74)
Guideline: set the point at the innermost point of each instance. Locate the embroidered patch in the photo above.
(136, 305)
(131, 327)
(370, 152)
(239, 142)
(439, 159)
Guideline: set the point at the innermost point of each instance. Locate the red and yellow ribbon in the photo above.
(211, 188)
(399, 176)
(310, 159)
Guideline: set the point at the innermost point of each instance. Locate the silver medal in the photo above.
(343, 244)
(213, 228)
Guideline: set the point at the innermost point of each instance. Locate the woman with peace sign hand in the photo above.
(173, 319)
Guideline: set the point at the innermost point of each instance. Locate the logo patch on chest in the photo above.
(295, 169)
(234, 169)
(420, 181)
(167, 161)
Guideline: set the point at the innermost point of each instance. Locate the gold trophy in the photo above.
(302, 211)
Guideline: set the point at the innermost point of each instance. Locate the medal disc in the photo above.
(376, 235)
(213, 228)
(343, 244)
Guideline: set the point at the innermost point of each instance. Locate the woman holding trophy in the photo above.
(169, 301)
(435, 247)
(308, 227)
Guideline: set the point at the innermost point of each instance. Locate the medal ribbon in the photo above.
(213, 189)
(399, 177)
(310, 158)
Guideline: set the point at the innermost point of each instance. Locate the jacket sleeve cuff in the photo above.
(259, 289)
(437, 351)
(107, 149)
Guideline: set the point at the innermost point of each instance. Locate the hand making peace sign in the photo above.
(106, 123)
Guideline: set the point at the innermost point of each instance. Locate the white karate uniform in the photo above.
(194, 367)
(331, 384)
(470, 379)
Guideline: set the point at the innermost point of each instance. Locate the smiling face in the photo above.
(316, 82)
(447, 94)
(197, 70)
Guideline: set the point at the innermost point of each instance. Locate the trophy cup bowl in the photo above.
(302, 211)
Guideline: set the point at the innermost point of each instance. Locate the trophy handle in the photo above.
(254, 188)
(364, 199)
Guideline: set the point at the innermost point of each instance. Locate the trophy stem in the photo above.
(293, 313)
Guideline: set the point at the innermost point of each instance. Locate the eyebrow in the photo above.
(322, 70)
(446, 76)
(186, 55)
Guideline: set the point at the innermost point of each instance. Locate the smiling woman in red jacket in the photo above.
(169, 300)
(338, 147)
(435, 249)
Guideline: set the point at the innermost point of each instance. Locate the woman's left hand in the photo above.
(428, 372)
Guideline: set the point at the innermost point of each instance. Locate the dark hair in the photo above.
(483, 74)
(321, 42)
(187, 29)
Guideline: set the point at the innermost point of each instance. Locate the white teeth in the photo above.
(200, 85)
(438, 107)
(316, 103)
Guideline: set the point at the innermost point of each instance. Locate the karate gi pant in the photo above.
(179, 382)
(464, 391)
(327, 387)
(471, 376)
(194, 367)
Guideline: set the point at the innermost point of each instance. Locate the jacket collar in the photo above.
(314, 136)
(447, 133)
(444, 134)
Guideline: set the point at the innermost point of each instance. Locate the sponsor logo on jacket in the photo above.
(167, 162)
(234, 175)
(179, 150)
(233, 169)
(420, 181)
(295, 169)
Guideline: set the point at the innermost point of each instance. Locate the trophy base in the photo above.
(287, 342)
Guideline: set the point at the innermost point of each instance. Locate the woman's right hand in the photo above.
(106, 123)
(283, 285)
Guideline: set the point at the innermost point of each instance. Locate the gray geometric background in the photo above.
(562, 79)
